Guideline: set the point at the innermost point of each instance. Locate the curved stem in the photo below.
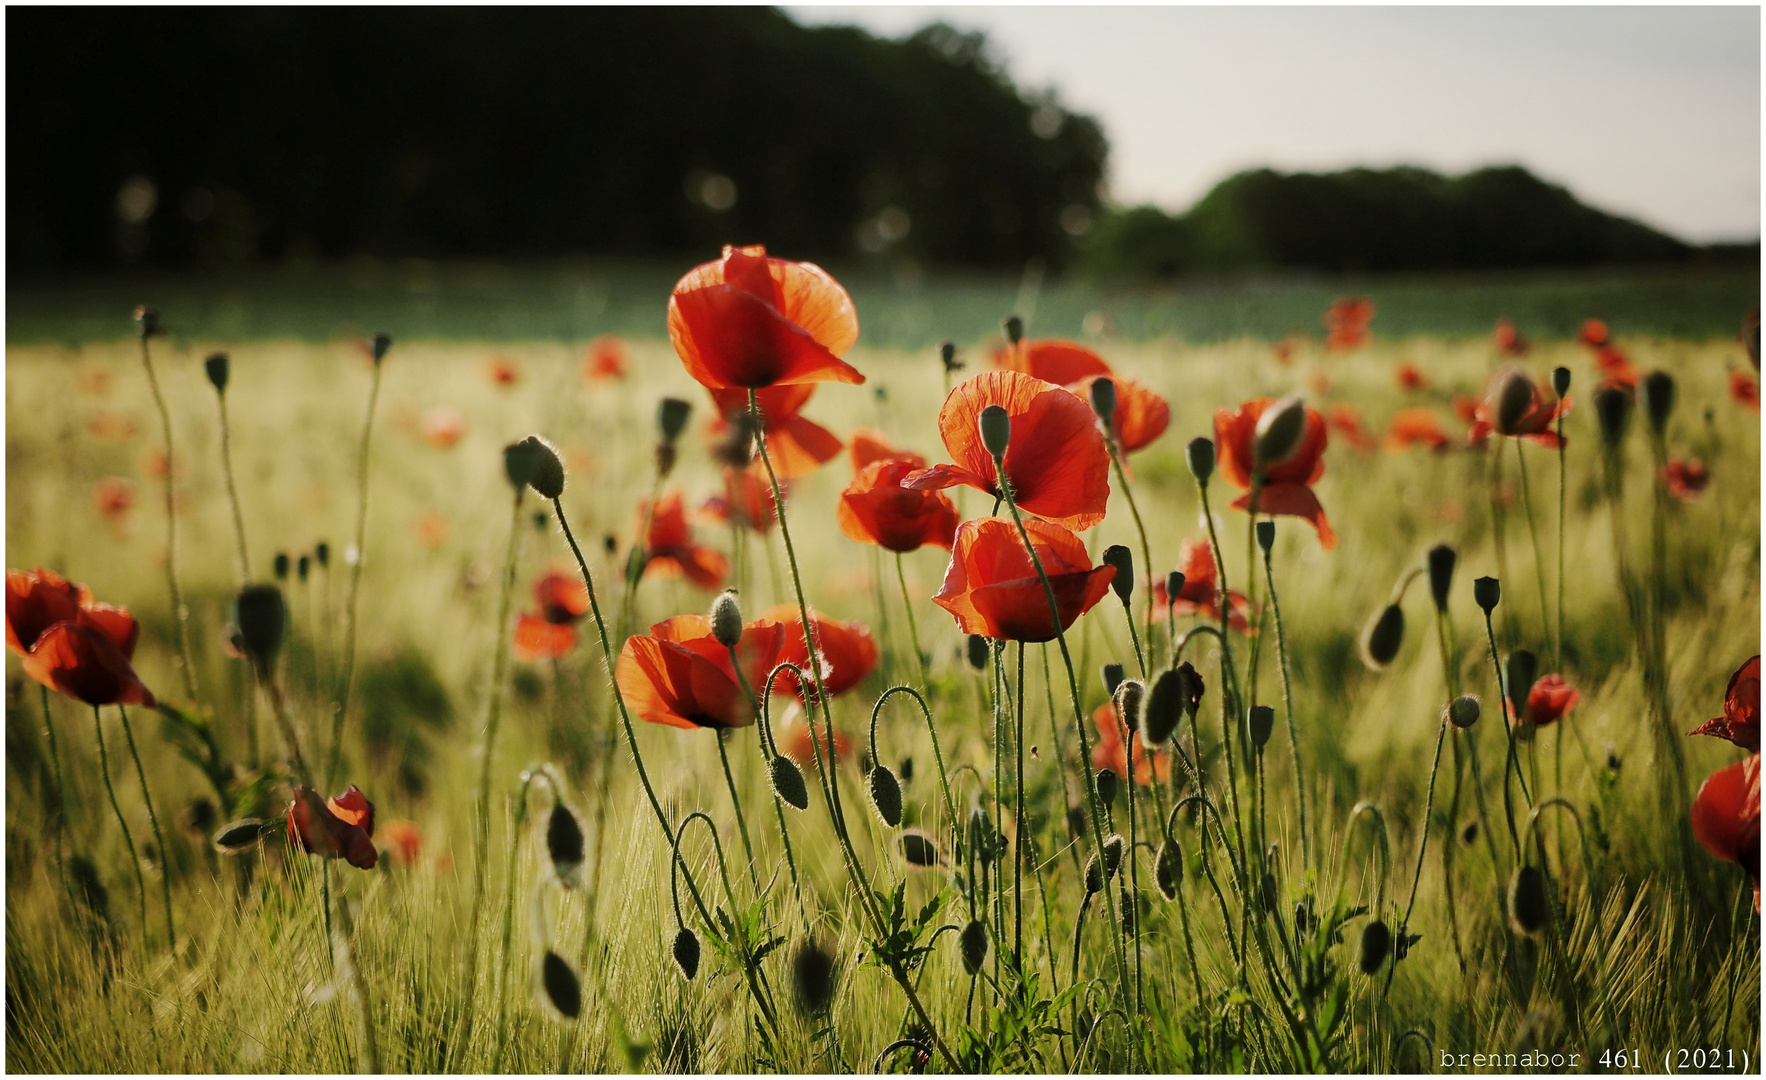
(763, 732)
(233, 491)
(1558, 646)
(342, 704)
(1512, 762)
(950, 806)
(60, 796)
(122, 823)
(180, 613)
(1281, 646)
(1538, 554)
(1140, 529)
(502, 988)
(913, 625)
(1134, 866)
(165, 865)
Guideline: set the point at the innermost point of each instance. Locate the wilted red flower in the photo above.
(1201, 593)
(1744, 390)
(336, 828)
(502, 371)
(1416, 427)
(867, 445)
(1740, 722)
(1141, 416)
(670, 548)
(111, 427)
(1686, 480)
(1548, 700)
(1410, 377)
(443, 425)
(1057, 461)
(113, 497)
(845, 649)
(551, 632)
(747, 499)
(1509, 341)
(83, 662)
(1109, 753)
(1058, 362)
(876, 509)
(992, 587)
(794, 739)
(1534, 421)
(1346, 320)
(1726, 816)
(798, 446)
(1286, 486)
(1594, 333)
(1345, 420)
(404, 841)
(607, 358)
(678, 674)
(747, 322)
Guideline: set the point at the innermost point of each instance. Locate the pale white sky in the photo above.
(1650, 112)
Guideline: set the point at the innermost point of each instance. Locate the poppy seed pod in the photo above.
(686, 950)
(996, 430)
(1278, 431)
(726, 619)
(1122, 584)
(322, 552)
(547, 475)
(1266, 535)
(239, 836)
(812, 977)
(1173, 587)
(1130, 699)
(977, 652)
(1487, 591)
(1168, 869)
(1523, 669)
(564, 844)
(918, 849)
(216, 369)
(1657, 392)
(1113, 674)
(1514, 399)
(1612, 406)
(378, 346)
(1376, 942)
(1560, 381)
(1103, 401)
(1163, 709)
(1464, 711)
(1382, 638)
(560, 986)
(788, 782)
(279, 566)
(1200, 455)
(973, 942)
(886, 795)
(302, 566)
(947, 352)
(1441, 560)
(1262, 723)
(1528, 908)
(147, 322)
(1106, 782)
(671, 417)
(1113, 848)
(1014, 328)
(1094, 875)
(259, 613)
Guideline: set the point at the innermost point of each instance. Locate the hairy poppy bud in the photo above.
(1560, 381)
(1118, 556)
(1103, 401)
(1657, 392)
(519, 464)
(1279, 430)
(671, 417)
(322, 552)
(1523, 668)
(1126, 904)
(788, 782)
(918, 849)
(1464, 711)
(1487, 591)
(1163, 709)
(1113, 848)
(259, 613)
(1382, 637)
(1528, 908)
(1200, 455)
(1094, 875)
(1612, 406)
(973, 941)
(1513, 399)
(1441, 560)
(564, 844)
(1262, 722)
(1106, 781)
(1266, 535)
(686, 950)
(978, 651)
(1113, 674)
(1014, 328)
(216, 369)
(560, 986)
(239, 836)
(378, 346)
(996, 430)
(1173, 587)
(545, 467)
(1168, 869)
(726, 619)
(812, 976)
(886, 795)
(980, 831)
(947, 352)
(279, 566)
(147, 322)
(1376, 942)
(1130, 698)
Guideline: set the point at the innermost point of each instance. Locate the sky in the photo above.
(1648, 112)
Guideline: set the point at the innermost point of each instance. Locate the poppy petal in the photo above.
(537, 638)
(1295, 500)
(729, 338)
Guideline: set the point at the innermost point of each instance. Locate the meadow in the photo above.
(1623, 941)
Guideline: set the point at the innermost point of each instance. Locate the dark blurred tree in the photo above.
(171, 136)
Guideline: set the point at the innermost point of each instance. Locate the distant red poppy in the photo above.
(748, 321)
(1057, 461)
(154, 463)
(678, 675)
(94, 379)
(1549, 699)
(113, 497)
(671, 551)
(1594, 333)
(1686, 480)
(607, 358)
(1536, 419)
(798, 446)
(1410, 377)
(1726, 816)
(1201, 593)
(337, 828)
(867, 445)
(1509, 341)
(992, 587)
(431, 529)
(846, 649)
(551, 632)
(1345, 419)
(1614, 366)
(1284, 487)
(1141, 416)
(795, 742)
(79, 660)
(747, 499)
(404, 841)
(110, 427)
(1740, 722)
(1284, 351)
(443, 426)
(1058, 362)
(1109, 753)
(1471, 410)
(876, 509)
(502, 371)
(1416, 427)
(1744, 390)
(1346, 320)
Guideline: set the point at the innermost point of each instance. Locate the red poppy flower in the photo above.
(113, 497)
(1059, 467)
(876, 509)
(747, 322)
(1471, 411)
(1614, 366)
(1594, 333)
(670, 549)
(1410, 377)
(1140, 417)
(336, 828)
(1345, 420)
(537, 639)
(1549, 699)
(1201, 594)
(443, 426)
(747, 499)
(502, 371)
(1416, 427)
(797, 446)
(1284, 352)
(678, 674)
(1536, 422)
(82, 662)
(1346, 320)
(847, 651)
(38, 599)
(1109, 753)
(154, 463)
(993, 589)
(1509, 341)
(1284, 487)
(431, 529)
(551, 632)
(868, 445)
(1744, 390)
(1740, 722)
(1686, 480)
(1726, 816)
(795, 742)
(1060, 362)
(607, 358)
(404, 841)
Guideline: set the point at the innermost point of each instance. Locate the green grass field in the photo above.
(1652, 945)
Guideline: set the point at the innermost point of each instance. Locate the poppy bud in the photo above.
(996, 430)
(1113, 674)
(1560, 381)
(560, 986)
(547, 468)
(378, 346)
(726, 619)
(1300, 917)
(147, 322)
(1528, 908)
(788, 782)
(1103, 401)
(564, 844)
(322, 552)
(1612, 406)
(1469, 835)
(1118, 556)
(279, 566)
(216, 368)
(973, 941)
(947, 352)
(239, 836)
(199, 816)
(1268, 892)
(1613, 760)
(1200, 454)
(812, 976)
(1487, 591)
(1014, 328)
(1126, 903)
(1262, 720)
(1168, 869)
(1376, 942)
(259, 613)
(1523, 668)
(1279, 430)
(1106, 781)
(980, 831)
(1173, 587)
(302, 566)
(907, 770)
(671, 417)
(918, 849)
(1464, 711)
(978, 651)
(686, 950)
(1514, 399)
(519, 464)
(1130, 698)
(1441, 560)
(886, 795)
(1163, 709)
(1657, 391)
(1113, 846)
(1266, 535)
(610, 543)
(1094, 875)
(1382, 637)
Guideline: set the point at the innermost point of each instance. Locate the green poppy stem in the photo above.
(913, 625)
(122, 823)
(342, 705)
(159, 840)
(180, 613)
(1281, 645)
